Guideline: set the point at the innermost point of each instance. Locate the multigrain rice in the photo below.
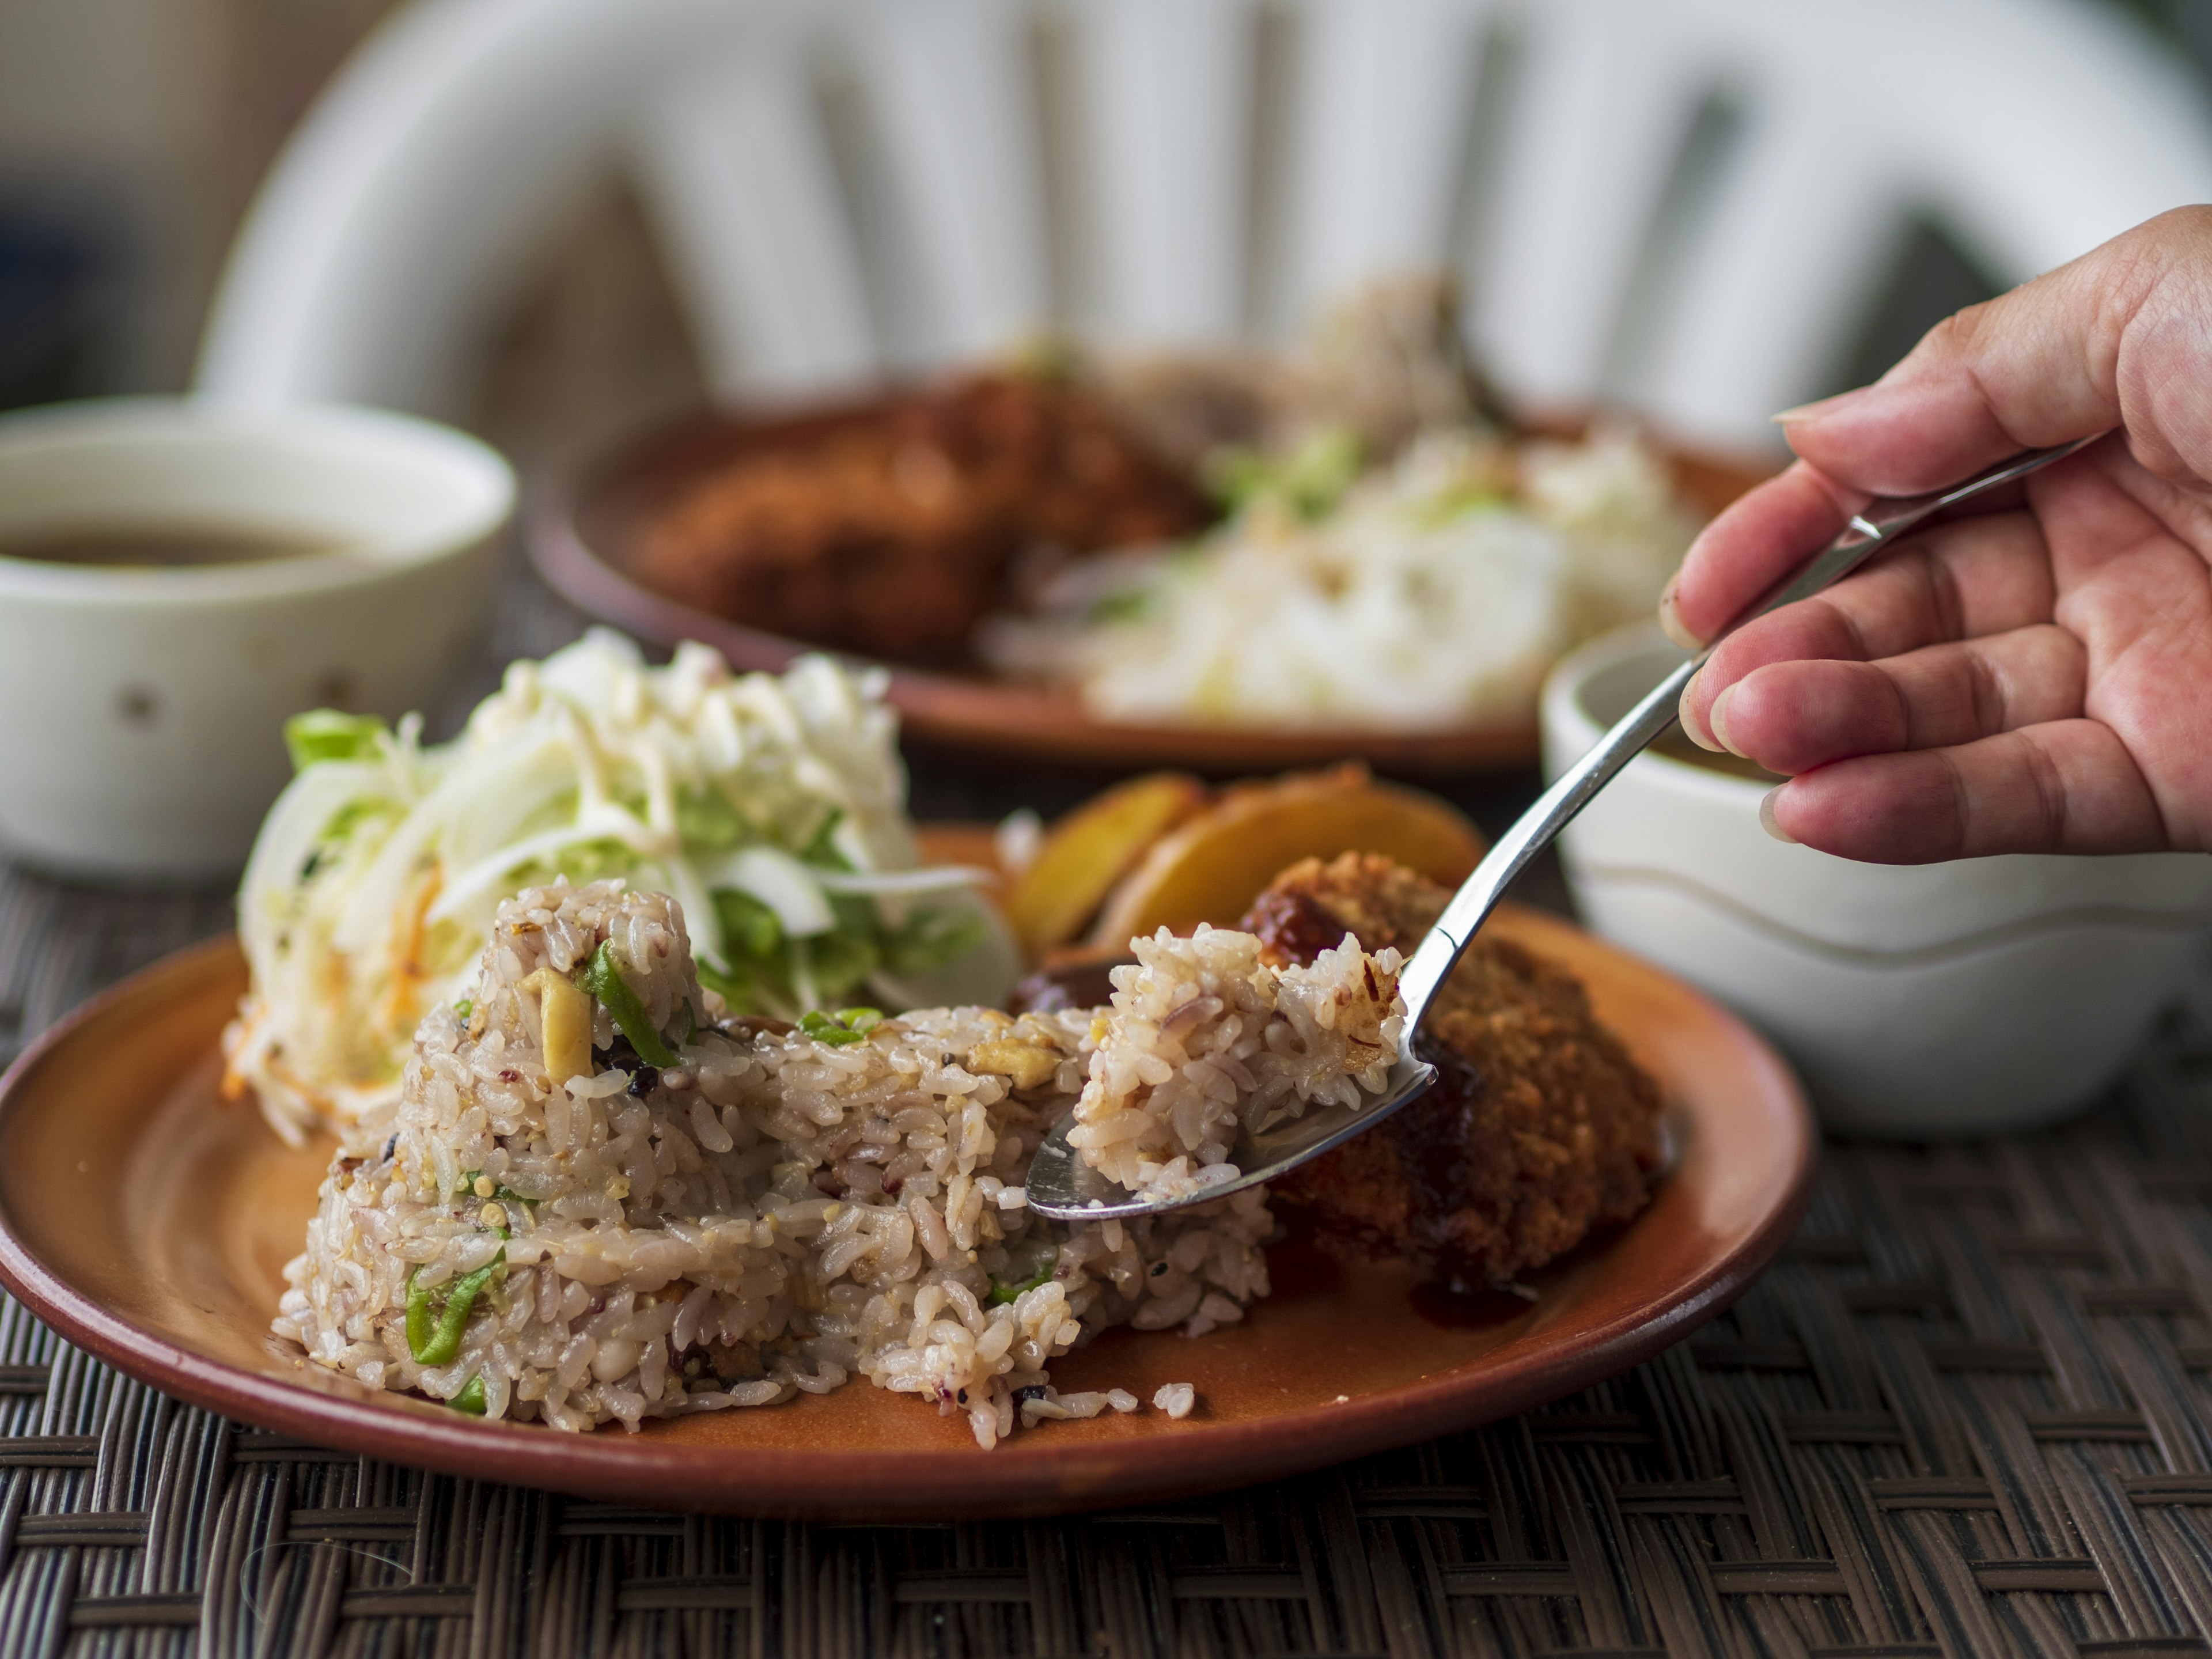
(774, 1213)
(1206, 1039)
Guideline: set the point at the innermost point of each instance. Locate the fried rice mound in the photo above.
(1541, 1127)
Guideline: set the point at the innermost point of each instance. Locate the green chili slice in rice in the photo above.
(433, 1333)
(470, 1399)
(1004, 1296)
(501, 1191)
(604, 980)
(847, 1025)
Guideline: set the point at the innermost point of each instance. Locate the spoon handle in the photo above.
(1879, 523)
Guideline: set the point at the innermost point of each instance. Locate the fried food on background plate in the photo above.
(891, 531)
(1540, 1125)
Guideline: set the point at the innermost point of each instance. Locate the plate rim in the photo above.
(1025, 1478)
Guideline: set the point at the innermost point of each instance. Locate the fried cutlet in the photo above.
(1540, 1125)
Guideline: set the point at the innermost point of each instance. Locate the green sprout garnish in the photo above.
(1307, 482)
(750, 926)
(1470, 496)
(325, 734)
(847, 1025)
(470, 1399)
(1124, 605)
(1003, 1296)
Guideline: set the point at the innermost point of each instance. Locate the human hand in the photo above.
(2037, 680)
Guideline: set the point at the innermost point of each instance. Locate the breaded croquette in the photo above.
(1540, 1125)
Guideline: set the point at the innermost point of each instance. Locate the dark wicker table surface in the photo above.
(1970, 1411)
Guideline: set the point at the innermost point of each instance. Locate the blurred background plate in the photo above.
(584, 522)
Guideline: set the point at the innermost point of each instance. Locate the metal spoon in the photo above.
(1062, 1185)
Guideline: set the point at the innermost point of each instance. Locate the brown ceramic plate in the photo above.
(580, 529)
(148, 1221)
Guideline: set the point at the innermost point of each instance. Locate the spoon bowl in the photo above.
(1062, 1185)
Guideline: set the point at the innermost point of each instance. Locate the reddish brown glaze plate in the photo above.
(148, 1221)
(581, 528)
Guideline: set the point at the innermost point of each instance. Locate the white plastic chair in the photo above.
(1540, 148)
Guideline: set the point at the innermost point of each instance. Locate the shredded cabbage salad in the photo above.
(1433, 591)
(772, 808)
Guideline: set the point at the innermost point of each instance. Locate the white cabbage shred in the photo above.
(1427, 592)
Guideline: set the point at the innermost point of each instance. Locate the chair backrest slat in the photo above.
(1385, 92)
(734, 165)
(1166, 92)
(952, 116)
(1603, 103)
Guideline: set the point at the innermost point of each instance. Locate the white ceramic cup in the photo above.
(142, 709)
(1918, 1001)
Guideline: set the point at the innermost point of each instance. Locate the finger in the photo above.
(1757, 540)
(2115, 338)
(2070, 787)
(1959, 580)
(1791, 717)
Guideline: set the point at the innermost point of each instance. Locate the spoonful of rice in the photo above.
(1216, 1072)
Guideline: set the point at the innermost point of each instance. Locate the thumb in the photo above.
(2121, 337)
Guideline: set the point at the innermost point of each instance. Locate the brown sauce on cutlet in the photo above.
(1295, 926)
(1432, 1135)
(1067, 985)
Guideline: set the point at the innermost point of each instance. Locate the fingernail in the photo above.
(1716, 718)
(1768, 822)
(1670, 620)
(1690, 727)
(1817, 408)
